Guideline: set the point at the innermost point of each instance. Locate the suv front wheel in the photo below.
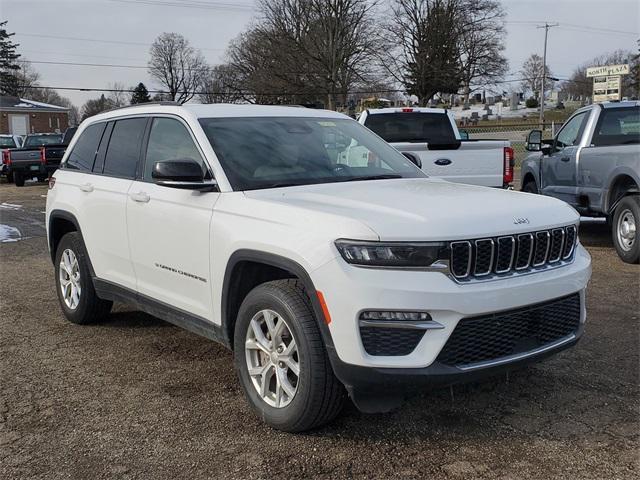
(77, 296)
(281, 360)
(625, 226)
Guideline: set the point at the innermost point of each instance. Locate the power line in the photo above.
(575, 27)
(190, 4)
(80, 39)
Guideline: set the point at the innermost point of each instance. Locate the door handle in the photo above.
(141, 197)
(443, 162)
(87, 187)
(565, 159)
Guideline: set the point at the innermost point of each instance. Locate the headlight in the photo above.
(391, 254)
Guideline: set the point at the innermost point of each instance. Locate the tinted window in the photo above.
(40, 140)
(84, 151)
(266, 152)
(412, 127)
(7, 142)
(124, 148)
(618, 126)
(572, 131)
(170, 140)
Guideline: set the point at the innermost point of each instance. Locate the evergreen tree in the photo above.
(140, 94)
(9, 83)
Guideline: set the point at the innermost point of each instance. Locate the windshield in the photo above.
(7, 142)
(39, 140)
(268, 152)
(412, 127)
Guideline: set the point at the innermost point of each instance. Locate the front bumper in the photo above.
(348, 290)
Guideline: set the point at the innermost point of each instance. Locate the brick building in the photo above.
(20, 116)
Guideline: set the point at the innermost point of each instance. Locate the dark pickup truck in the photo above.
(39, 156)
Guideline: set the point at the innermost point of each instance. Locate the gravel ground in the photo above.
(138, 398)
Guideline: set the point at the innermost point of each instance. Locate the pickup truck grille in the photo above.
(494, 336)
(512, 254)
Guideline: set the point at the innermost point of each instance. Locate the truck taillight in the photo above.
(6, 157)
(407, 110)
(43, 156)
(507, 175)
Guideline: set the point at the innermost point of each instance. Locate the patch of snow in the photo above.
(9, 234)
(32, 103)
(10, 206)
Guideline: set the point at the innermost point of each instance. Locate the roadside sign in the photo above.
(606, 88)
(607, 70)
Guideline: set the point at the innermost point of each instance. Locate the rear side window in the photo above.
(7, 142)
(412, 127)
(124, 148)
(84, 151)
(618, 126)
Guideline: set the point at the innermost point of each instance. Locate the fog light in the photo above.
(400, 316)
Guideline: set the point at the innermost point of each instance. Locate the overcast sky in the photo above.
(121, 31)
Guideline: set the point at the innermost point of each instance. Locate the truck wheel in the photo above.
(42, 178)
(78, 298)
(281, 360)
(19, 179)
(530, 187)
(626, 223)
(10, 177)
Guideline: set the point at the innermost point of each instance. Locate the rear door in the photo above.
(104, 200)
(169, 228)
(559, 171)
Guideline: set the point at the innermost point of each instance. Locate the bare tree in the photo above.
(95, 106)
(481, 42)
(27, 78)
(177, 66)
(219, 86)
(118, 96)
(422, 46)
(532, 76)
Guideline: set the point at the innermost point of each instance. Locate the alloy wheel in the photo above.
(70, 279)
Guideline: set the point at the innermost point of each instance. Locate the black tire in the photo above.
(10, 177)
(628, 206)
(530, 187)
(18, 179)
(90, 308)
(319, 396)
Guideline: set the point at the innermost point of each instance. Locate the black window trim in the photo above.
(66, 164)
(145, 144)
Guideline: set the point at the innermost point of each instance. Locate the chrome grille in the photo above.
(511, 254)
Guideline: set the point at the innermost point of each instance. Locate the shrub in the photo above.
(531, 102)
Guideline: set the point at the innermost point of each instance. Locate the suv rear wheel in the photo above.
(625, 226)
(18, 179)
(77, 296)
(281, 360)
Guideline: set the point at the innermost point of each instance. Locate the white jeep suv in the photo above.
(240, 223)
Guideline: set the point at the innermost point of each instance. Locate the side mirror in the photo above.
(534, 141)
(464, 135)
(413, 159)
(184, 173)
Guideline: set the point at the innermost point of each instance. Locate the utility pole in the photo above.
(543, 77)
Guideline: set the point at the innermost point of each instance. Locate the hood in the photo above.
(427, 209)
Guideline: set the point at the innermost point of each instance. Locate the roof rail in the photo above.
(145, 104)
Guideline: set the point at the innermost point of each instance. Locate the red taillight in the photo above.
(6, 157)
(52, 182)
(507, 176)
(43, 156)
(407, 110)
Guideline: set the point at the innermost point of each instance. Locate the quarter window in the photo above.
(124, 148)
(84, 151)
(170, 140)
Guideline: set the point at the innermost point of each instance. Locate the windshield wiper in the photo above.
(383, 176)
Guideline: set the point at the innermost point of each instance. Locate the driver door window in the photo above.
(571, 132)
(169, 139)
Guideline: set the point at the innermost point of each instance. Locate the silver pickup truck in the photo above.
(593, 163)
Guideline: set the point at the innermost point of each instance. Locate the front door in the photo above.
(169, 228)
(559, 169)
(19, 124)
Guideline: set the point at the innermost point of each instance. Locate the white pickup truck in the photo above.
(430, 135)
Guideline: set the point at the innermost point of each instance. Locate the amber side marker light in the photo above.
(323, 305)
